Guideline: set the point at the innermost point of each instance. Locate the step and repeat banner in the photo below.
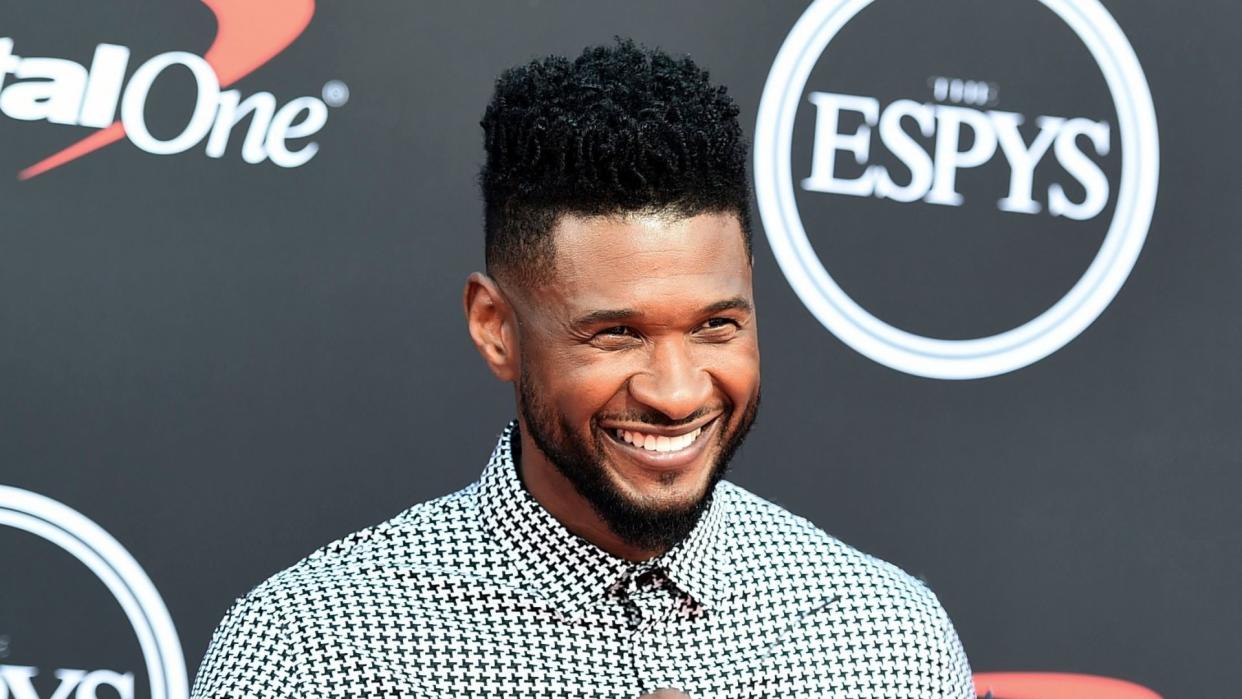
(995, 260)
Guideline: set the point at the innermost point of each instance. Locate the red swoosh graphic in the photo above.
(1056, 685)
(249, 33)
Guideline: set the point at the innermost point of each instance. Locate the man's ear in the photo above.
(493, 325)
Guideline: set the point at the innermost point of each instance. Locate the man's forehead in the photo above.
(650, 257)
(654, 220)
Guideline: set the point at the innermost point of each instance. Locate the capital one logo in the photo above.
(249, 34)
(104, 557)
(931, 142)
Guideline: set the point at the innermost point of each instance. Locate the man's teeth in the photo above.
(658, 443)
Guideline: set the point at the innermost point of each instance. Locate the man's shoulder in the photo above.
(268, 632)
(418, 540)
(765, 537)
(814, 587)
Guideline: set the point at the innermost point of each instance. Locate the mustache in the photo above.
(655, 417)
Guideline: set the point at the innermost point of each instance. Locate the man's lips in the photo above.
(670, 448)
(665, 430)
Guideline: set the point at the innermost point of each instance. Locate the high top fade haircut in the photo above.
(621, 129)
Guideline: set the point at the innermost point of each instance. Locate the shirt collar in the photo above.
(574, 573)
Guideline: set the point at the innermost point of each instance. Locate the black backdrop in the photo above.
(226, 365)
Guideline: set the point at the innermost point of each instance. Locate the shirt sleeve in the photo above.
(250, 656)
(955, 679)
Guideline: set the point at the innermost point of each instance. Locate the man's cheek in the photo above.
(594, 391)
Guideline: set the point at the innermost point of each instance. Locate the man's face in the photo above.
(640, 365)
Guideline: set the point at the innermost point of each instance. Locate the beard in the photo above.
(643, 525)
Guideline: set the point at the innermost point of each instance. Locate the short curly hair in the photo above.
(620, 129)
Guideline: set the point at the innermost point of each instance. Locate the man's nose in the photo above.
(672, 383)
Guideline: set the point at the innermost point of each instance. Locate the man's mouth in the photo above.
(661, 448)
(659, 443)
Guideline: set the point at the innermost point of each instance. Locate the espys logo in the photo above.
(971, 167)
(19, 681)
(93, 547)
(249, 34)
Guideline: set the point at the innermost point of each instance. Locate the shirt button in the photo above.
(650, 578)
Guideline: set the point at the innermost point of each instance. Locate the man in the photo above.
(600, 554)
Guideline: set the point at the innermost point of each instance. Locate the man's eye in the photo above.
(718, 329)
(616, 336)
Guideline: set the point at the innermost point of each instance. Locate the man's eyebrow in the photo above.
(621, 315)
(737, 303)
(605, 316)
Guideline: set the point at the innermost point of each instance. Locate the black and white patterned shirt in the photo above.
(483, 593)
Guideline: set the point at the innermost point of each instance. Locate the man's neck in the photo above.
(557, 495)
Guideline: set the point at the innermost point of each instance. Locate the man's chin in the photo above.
(662, 492)
(665, 500)
(651, 521)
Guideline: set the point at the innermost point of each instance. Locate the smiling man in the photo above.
(635, 363)
(601, 554)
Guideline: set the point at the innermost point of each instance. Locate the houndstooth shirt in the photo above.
(483, 593)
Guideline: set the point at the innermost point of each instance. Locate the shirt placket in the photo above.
(646, 598)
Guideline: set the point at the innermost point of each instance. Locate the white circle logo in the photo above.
(982, 356)
(119, 572)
